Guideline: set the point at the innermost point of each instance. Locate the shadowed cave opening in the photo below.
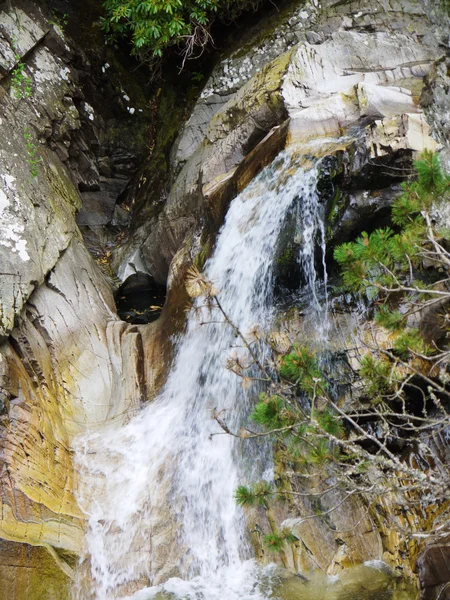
(140, 299)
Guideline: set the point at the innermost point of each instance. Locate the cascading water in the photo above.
(311, 228)
(159, 492)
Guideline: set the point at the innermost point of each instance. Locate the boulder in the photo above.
(434, 569)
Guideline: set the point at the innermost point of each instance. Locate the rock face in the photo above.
(67, 362)
(343, 81)
(327, 70)
(30, 572)
(349, 71)
(434, 569)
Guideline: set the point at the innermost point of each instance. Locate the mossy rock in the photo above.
(362, 582)
(330, 190)
(29, 572)
(286, 265)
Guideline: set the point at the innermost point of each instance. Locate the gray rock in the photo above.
(353, 77)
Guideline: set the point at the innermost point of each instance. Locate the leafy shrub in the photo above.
(154, 25)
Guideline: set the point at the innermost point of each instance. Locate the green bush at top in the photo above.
(153, 25)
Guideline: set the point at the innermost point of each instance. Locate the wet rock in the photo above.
(315, 25)
(434, 569)
(351, 80)
(31, 572)
(105, 166)
(363, 582)
(59, 332)
(63, 379)
(232, 133)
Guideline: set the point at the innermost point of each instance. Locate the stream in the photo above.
(159, 492)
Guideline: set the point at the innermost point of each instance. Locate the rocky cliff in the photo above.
(65, 354)
(346, 80)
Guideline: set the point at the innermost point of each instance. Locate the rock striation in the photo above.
(343, 80)
(65, 355)
(328, 71)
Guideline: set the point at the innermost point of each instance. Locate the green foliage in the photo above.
(389, 265)
(408, 343)
(33, 159)
(301, 367)
(257, 494)
(319, 452)
(272, 412)
(375, 262)
(393, 320)
(395, 268)
(377, 374)
(276, 541)
(431, 177)
(60, 21)
(21, 83)
(406, 207)
(153, 25)
(197, 76)
(244, 496)
(329, 423)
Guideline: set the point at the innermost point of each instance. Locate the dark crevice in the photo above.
(140, 299)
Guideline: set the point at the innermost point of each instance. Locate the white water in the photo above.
(311, 225)
(159, 492)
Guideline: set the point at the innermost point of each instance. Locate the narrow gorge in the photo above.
(192, 400)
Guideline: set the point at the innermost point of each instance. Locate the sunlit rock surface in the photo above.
(343, 67)
(67, 362)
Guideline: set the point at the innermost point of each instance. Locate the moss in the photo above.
(172, 104)
(335, 203)
(286, 266)
(264, 30)
(336, 210)
(30, 572)
(64, 194)
(286, 258)
(205, 252)
(261, 91)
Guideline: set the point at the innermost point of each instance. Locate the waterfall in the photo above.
(312, 236)
(159, 492)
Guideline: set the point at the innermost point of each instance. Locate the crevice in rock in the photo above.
(140, 299)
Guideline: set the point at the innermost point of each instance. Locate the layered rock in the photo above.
(347, 70)
(342, 81)
(67, 362)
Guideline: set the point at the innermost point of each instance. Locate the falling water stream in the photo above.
(311, 227)
(159, 492)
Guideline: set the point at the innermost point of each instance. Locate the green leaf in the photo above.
(408, 342)
(329, 423)
(167, 22)
(274, 542)
(377, 374)
(430, 174)
(393, 320)
(256, 495)
(301, 367)
(244, 496)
